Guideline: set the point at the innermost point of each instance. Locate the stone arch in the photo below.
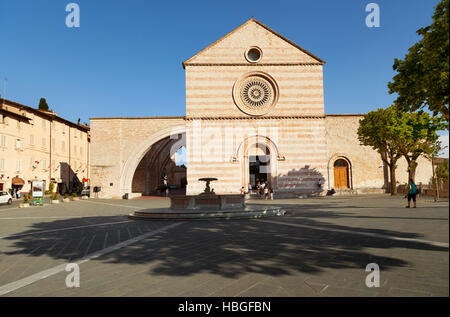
(135, 157)
(243, 157)
(330, 166)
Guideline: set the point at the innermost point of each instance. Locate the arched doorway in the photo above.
(258, 157)
(161, 172)
(259, 162)
(152, 150)
(341, 174)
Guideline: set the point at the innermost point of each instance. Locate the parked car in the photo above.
(86, 191)
(5, 198)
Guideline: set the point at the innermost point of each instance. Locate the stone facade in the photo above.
(252, 95)
(120, 144)
(367, 170)
(40, 145)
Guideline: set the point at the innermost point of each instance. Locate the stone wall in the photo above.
(211, 74)
(118, 146)
(219, 148)
(39, 145)
(367, 169)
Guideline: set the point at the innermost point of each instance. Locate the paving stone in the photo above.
(234, 258)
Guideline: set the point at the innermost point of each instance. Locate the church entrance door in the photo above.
(259, 166)
(341, 174)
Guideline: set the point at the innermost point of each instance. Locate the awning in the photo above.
(17, 181)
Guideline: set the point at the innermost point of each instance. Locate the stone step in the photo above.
(345, 192)
(202, 215)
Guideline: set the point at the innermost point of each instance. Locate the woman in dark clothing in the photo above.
(412, 192)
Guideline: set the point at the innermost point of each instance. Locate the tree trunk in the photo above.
(393, 179)
(412, 170)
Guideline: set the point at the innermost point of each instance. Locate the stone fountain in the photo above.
(208, 199)
(207, 205)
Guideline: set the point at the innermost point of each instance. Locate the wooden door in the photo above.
(340, 177)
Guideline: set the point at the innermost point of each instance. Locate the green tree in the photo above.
(379, 130)
(417, 136)
(422, 78)
(43, 104)
(442, 172)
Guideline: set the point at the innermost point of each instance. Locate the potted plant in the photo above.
(25, 203)
(66, 198)
(74, 196)
(51, 187)
(54, 199)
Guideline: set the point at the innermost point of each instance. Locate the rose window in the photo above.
(255, 94)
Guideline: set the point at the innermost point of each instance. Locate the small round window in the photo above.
(253, 54)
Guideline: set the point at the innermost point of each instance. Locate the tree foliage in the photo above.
(394, 133)
(43, 104)
(423, 75)
(378, 130)
(417, 136)
(442, 171)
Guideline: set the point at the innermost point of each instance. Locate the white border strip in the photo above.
(368, 234)
(62, 229)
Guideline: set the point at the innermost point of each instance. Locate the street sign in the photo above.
(37, 193)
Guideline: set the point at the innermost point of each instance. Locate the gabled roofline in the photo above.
(48, 115)
(139, 118)
(264, 26)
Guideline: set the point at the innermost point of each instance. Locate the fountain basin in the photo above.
(207, 202)
(167, 214)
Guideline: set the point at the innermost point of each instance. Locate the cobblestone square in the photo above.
(319, 248)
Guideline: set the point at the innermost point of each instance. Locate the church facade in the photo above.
(254, 113)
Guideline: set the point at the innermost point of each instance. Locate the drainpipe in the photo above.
(50, 141)
(68, 185)
(88, 148)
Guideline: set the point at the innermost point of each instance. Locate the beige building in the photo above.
(254, 113)
(40, 145)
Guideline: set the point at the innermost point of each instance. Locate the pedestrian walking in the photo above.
(412, 193)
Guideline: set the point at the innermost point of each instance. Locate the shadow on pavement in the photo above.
(226, 248)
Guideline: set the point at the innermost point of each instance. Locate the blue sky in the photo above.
(125, 59)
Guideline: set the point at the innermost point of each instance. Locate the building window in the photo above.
(19, 144)
(44, 124)
(3, 140)
(2, 164)
(63, 146)
(18, 166)
(31, 139)
(253, 54)
(255, 93)
(53, 142)
(74, 150)
(44, 142)
(44, 164)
